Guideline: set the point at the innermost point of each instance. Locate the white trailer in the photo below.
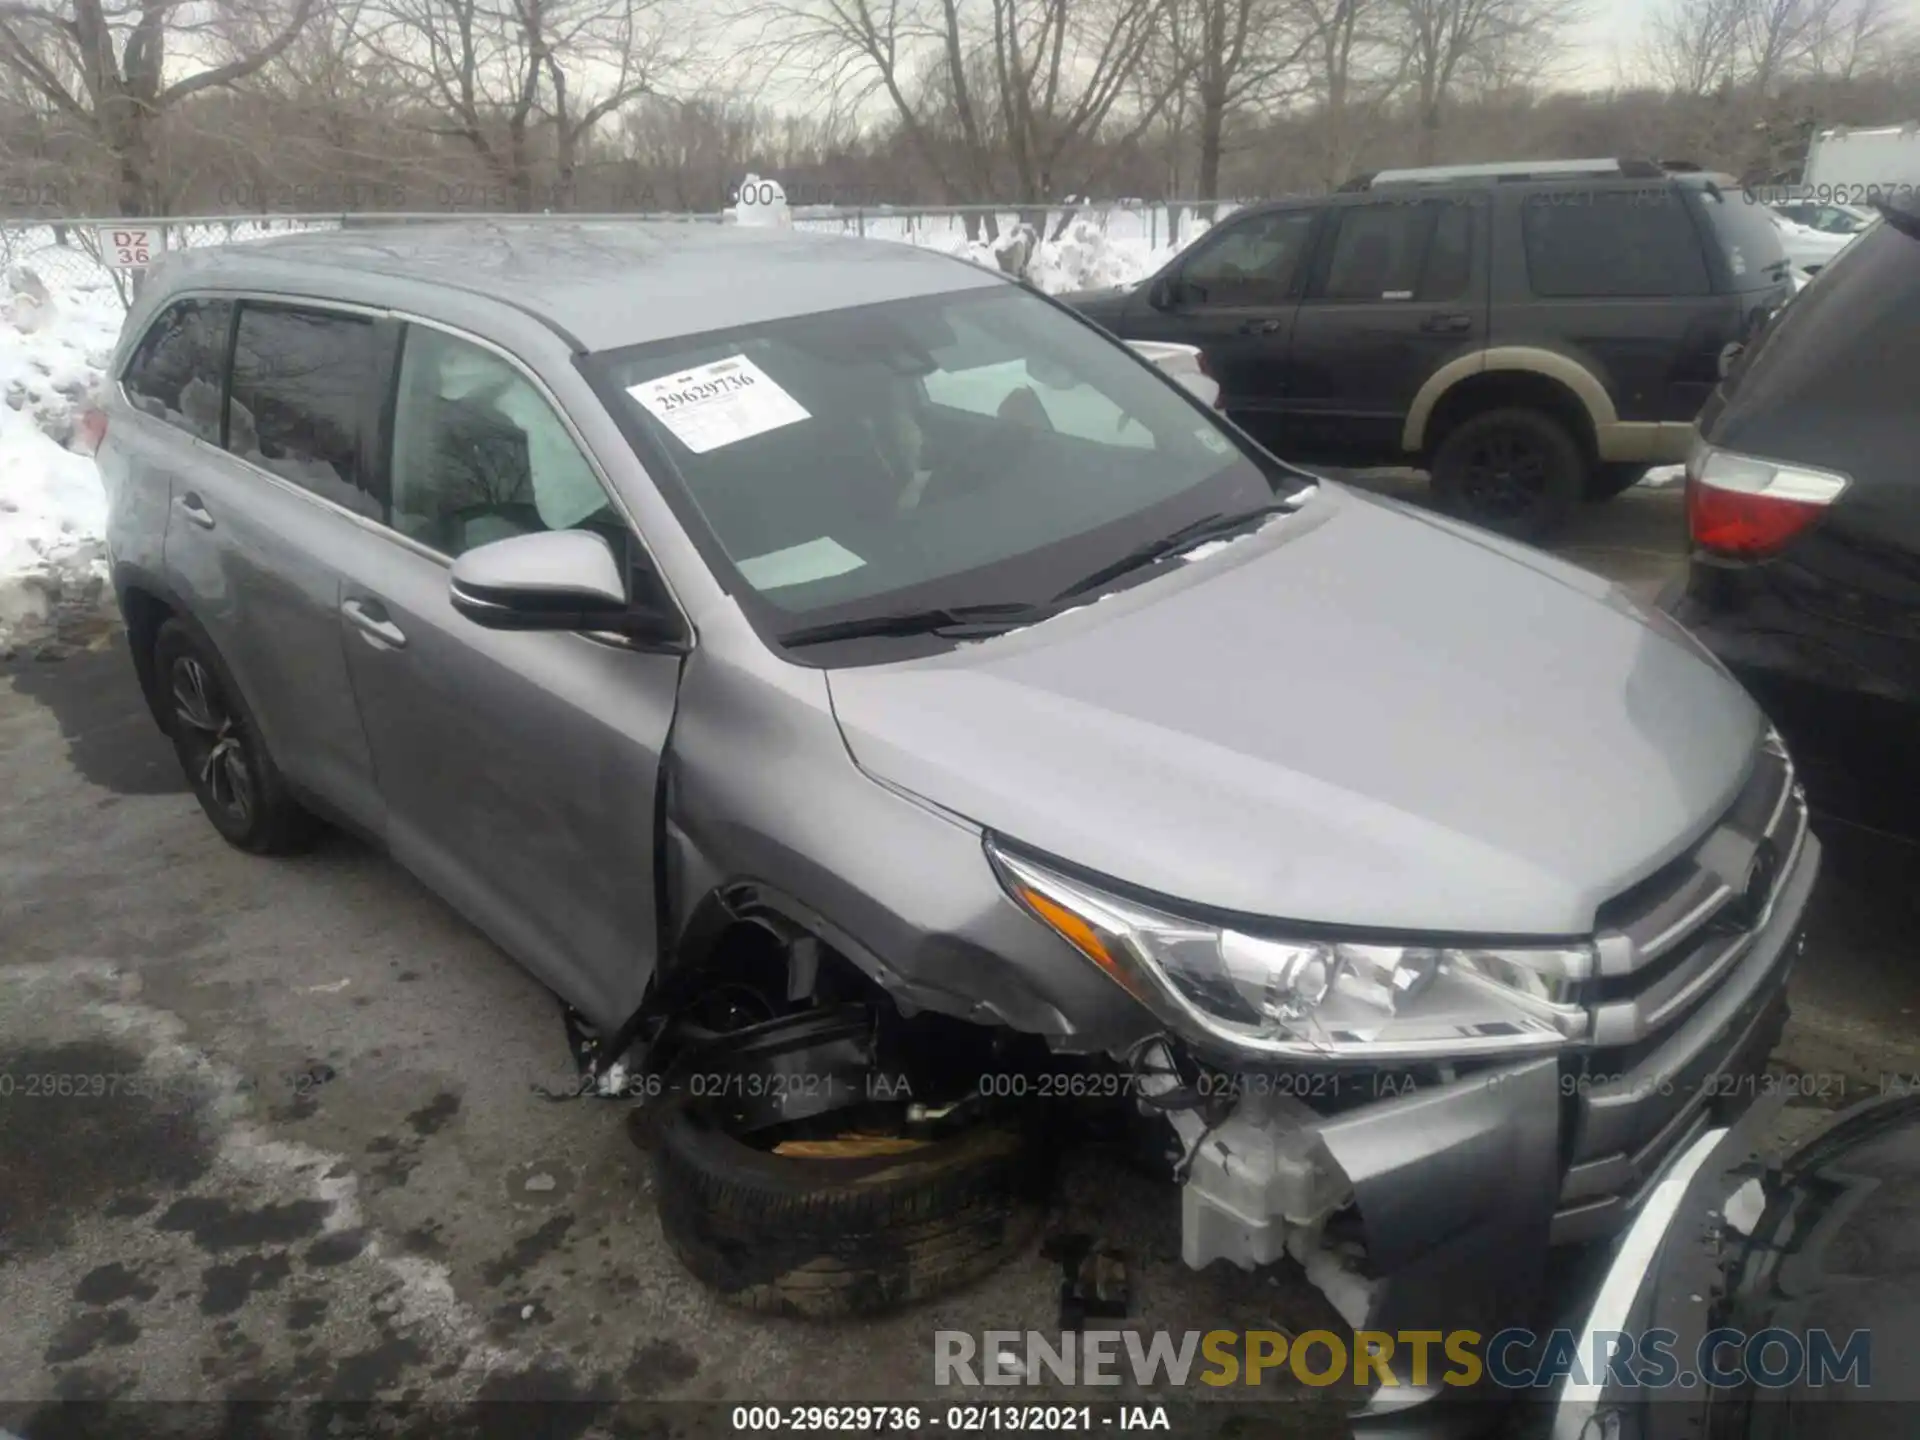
(1856, 167)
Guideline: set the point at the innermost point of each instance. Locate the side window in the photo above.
(177, 371)
(1612, 244)
(1377, 251)
(1249, 262)
(1449, 269)
(300, 390)
(479, 455)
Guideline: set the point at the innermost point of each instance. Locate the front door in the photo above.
(1399, 289)
(519, 770)
(1234, 295)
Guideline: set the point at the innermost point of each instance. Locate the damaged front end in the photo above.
(1418, 1125)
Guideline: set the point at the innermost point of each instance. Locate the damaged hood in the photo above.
(1360, 715)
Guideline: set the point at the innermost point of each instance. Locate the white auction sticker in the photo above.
(718, 404)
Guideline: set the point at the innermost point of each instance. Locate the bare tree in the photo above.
(106, 67)
(1353, 70)
(689, 152)
(1230, 59)
(1852, 36)
(501, 76)
(1035, 90)
(1443, 39)
(1693, 47)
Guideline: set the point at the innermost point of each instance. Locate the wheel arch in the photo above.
(146, 603)
(1510, 375)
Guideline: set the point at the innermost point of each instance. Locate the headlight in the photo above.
(1306, 997)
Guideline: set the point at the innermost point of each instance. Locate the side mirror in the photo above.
(553, 580)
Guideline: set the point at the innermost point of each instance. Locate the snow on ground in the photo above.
(55, 340)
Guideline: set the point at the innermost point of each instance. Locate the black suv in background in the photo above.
(1803, 498)
(1530, 334)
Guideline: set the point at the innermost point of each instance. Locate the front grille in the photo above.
(1667, 947)
(1666, 943)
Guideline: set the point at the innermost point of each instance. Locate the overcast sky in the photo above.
(1608, 43)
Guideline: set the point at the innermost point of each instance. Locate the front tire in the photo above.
(225, 761)
(1515, 471)
(819, 1238)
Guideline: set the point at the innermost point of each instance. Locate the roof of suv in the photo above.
(603, 284)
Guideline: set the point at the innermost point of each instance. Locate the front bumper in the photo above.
(1461, 1188)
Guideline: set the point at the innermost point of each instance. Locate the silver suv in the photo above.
(827, 663)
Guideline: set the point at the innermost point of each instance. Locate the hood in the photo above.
(1361, 715)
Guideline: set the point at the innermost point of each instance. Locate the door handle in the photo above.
(1447, 324)
(378, 630)
(193, 511)
(1260, 327)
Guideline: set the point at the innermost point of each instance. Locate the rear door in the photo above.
(1398, 289)
(171, 388)
(1234, 294)
(257, 535)
(1617, 278)
(519, 770)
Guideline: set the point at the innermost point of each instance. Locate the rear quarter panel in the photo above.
(1657, 357)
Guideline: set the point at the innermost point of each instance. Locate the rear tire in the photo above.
(819, 1238)
(226, 762)
(1515, 471)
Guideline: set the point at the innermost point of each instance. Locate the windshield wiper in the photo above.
(983, 619)
(1197, 532)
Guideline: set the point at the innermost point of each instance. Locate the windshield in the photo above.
(962, 449)
(1748, 237)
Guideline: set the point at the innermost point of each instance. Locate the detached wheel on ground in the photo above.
(235, 780)
(1516, 471)
(798, 1235)
(1612, 477)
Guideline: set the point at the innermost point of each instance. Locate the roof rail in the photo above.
(1510, 170)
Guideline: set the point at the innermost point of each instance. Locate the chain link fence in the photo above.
(74, 255)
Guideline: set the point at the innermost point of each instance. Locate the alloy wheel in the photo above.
(1505, 474)
(213, 741)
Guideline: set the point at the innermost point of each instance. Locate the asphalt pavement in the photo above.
(309, 1156)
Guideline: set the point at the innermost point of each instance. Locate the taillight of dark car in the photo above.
(1747, 508)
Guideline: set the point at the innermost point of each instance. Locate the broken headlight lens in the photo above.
(1308, 997)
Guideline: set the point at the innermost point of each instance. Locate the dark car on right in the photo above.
(1532, 334)
(1803, 501)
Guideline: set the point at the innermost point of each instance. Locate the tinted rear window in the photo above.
(1748, 238)
(177, 372)
(1832, 376)
(1613, 244)
(301, 381)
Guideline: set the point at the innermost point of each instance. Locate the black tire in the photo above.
(1516, 471)
(820, 1238)
(1611, 478)
(226, 763)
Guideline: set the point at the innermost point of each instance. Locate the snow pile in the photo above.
(1087, 256)
(761, 202)
(54, 347)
